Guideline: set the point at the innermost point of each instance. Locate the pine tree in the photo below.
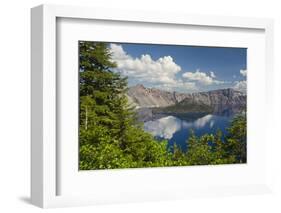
(110, 135)
(236, 141)
(102, 91)
(103, 109)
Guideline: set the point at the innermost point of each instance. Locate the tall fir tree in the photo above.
(110, 135)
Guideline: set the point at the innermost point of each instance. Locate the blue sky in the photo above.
(181, 68)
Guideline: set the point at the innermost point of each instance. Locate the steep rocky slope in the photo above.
(223, 101)
(150, 97)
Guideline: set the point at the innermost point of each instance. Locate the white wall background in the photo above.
(15, 104)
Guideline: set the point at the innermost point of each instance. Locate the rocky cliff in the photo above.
(221, 101)
(144, 97)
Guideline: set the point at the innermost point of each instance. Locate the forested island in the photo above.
(111, 132)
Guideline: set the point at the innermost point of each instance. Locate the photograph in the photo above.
(161, 105)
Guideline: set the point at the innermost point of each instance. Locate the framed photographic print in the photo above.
(136, 106)
(145, 111)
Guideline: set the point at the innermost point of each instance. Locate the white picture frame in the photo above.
(44, 149)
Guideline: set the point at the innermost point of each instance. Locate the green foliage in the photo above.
(111, 137)
(207, 150)
(237, 139)
(199, 150)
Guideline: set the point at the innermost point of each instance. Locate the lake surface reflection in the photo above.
(177, 130)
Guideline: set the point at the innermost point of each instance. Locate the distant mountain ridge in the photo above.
(220, 101)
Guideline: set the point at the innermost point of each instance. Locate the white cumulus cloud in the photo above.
(240, 86)
(212, 74)
(144, 68)
(243, 73)
(160, 72)
(201, 77)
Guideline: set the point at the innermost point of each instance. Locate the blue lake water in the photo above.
(177, 130)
